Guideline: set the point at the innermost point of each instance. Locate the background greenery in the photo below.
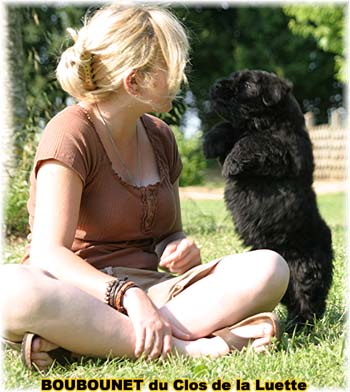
(317, 357)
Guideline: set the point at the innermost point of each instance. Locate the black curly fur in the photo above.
(267, 161)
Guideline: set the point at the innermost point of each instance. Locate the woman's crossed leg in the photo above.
(65, 316)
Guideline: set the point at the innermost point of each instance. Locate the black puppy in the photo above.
(267, 161)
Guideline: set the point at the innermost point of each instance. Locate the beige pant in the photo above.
(162, 286)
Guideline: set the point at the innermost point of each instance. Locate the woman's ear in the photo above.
(132, 83)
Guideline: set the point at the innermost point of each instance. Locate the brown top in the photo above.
(119, 223)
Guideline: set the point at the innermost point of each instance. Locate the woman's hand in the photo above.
(153, 332)
(181, 255)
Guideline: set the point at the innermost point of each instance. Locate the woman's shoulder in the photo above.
(68, 138)
(69, 133)
(71, 120)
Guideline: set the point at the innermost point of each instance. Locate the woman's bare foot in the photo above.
(259, 335)
(40, 355)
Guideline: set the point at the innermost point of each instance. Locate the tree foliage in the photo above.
(213, 40)
(326, 24)
(45, 37)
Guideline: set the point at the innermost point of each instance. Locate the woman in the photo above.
(105, 213)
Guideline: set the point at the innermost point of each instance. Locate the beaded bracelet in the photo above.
(108, 294)
(115, 292)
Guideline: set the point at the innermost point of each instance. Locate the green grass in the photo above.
(316, 358)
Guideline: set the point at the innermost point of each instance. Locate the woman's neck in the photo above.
(119, 115)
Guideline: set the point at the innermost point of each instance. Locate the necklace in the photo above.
(135, 180)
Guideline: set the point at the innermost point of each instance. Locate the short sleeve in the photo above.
(66, 139)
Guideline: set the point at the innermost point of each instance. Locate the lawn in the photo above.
(316, 358)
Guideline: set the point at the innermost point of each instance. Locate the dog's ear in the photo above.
(275, 91)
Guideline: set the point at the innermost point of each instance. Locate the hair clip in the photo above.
(86, 74)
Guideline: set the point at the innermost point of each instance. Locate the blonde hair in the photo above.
(118, 39)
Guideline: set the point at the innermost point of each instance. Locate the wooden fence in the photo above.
(329, 146)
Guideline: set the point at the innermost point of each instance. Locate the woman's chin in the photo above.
(165, 108)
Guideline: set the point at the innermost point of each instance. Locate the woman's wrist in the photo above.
(132, 295)
(115, 292)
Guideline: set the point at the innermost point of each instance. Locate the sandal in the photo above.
(10, 344)
(60, 355)
(236, 342)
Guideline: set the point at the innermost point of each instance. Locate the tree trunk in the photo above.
(16, 76)
(6, 104)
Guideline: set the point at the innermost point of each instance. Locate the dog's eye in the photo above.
(248, 85)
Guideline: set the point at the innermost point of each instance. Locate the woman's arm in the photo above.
(58, 195)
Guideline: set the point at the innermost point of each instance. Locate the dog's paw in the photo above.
(219, 141)
(242, 159)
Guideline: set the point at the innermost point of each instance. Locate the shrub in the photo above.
(192, 158)
(17, 192)
(16, 215)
